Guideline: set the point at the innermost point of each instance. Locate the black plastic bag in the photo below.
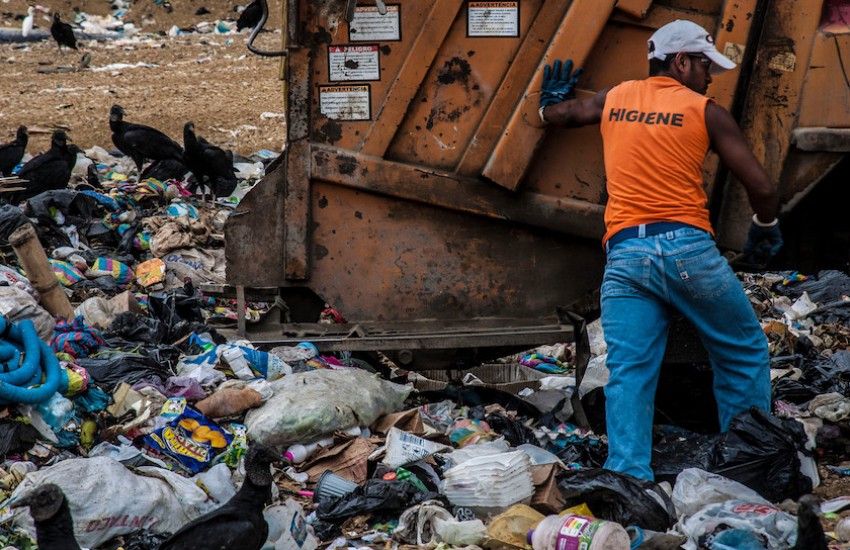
(136, 328)
(514, 431)
(762, 452)
(588, 453)
(11, 218)
(619, 497)
(16, 437)
(826, 287)
(108, 369)
(375, 496)
(676, 449)
(180, 313)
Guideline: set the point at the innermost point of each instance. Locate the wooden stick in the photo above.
(34, 260)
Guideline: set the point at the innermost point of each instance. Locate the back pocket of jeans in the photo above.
(706, 275)
(625, 276)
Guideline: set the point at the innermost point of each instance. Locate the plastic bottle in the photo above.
(573, 532)
(299, 453)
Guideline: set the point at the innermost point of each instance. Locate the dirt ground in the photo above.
(210, 79)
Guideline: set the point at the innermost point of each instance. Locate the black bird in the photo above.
(164, 170)
(49, 170)
(239, 524)
(211, 166)
(11, 153)
(141, 142)
(54, 527)
(63, 33)
(810, 534)
(250, 16)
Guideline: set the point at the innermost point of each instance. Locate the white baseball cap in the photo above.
(687, 37)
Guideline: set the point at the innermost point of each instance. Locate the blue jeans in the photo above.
(646, 280)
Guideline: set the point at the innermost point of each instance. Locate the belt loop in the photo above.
(642, 231)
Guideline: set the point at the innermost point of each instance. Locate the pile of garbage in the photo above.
(141, 408)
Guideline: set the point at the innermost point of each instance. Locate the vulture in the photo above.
(62, 33)
(250, 16)
(54, 527)
(141, 142)
(11, 153)
(239, 524)
(210, 165)
(47, 171)
(810, 535)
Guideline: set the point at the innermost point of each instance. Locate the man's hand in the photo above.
(763, 241)
(558, 83)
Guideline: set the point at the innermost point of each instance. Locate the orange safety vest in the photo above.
(655, 141)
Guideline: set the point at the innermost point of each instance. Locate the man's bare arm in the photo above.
(577, 112)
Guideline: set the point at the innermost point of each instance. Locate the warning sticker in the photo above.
(360, 62)
(370, 25)
(345, 102)
(492, 19)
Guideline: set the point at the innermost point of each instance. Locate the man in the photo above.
(661, 254)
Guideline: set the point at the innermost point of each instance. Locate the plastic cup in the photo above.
(332, 485)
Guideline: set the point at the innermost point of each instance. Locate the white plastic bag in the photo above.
(288, 529)
(695, 489)
(779, 528)
(108, 500)
(309, 405)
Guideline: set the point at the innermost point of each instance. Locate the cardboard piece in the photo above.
(348, 460)
(409, 421)
(126, 302)
(547, 497)
(509, 377)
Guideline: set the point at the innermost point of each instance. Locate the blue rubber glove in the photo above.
(559, 82)
(763, 241)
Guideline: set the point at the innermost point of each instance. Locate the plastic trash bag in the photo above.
(696, 489)
(619, 497)
(775, 526)
(375, 496)
(108, 369)
(764, 453)
(429, 524)
(17, 305)
(154, 499)
(299, 409)
(288, 529)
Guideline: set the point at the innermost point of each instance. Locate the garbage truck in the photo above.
(420, 197)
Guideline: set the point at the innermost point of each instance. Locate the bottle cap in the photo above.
(529, 536)
(288, 456)
(390, 476)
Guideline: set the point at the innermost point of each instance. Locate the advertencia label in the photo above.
(492, 19)
(370, 26)
(357, 62)
(351, 102)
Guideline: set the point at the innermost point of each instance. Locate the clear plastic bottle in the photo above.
(578, 532)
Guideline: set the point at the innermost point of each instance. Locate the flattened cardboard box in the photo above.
(509, 377)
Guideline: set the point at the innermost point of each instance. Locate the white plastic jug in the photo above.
(578, 532)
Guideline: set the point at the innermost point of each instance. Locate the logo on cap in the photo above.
(709, 39)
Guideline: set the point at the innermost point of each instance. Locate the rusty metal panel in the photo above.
(402, 260)
(635, 8)
(772, 105)
(828, 77)
(575, 38)
(466, 74)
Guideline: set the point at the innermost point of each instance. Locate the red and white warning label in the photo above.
(370, 25)
(354, 62)
(350, 102)
(493, 19)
